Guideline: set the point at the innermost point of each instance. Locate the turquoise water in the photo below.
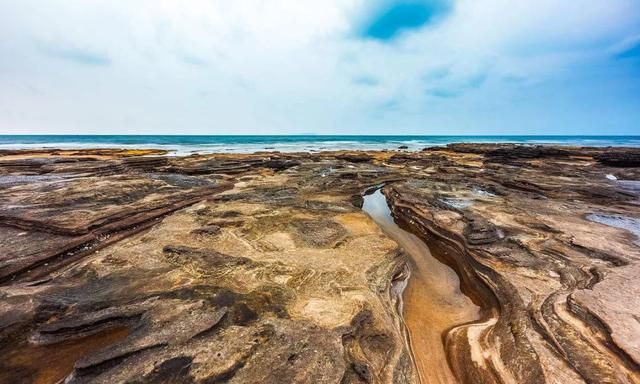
(291, 143)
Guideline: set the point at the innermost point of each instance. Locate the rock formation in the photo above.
(133, 267)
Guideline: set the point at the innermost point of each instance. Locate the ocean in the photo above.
(185, 145)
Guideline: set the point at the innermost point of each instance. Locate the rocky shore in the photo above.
(131, 266)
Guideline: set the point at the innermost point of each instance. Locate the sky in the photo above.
(423, 67)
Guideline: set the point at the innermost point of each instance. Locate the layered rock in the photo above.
(566, 297)
(262, 268)
(258, 283)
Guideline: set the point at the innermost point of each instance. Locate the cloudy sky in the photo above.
(320, 66)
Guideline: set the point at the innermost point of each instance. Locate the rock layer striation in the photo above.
(263, 268)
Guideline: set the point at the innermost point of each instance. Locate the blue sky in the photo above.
(331, 66)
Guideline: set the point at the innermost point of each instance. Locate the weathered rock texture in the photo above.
(517, 221)
(116, 267)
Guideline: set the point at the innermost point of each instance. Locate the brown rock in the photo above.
(103, 280)
(620, 158)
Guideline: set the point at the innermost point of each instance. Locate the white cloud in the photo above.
(216, 66)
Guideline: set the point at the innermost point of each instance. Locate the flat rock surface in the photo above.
(125, 266)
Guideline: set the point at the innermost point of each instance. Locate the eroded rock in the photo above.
(262, 268)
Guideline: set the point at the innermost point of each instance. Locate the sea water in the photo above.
(184, 145)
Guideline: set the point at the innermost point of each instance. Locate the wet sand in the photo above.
(433, 301)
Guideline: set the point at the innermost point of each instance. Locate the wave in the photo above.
(184, 145)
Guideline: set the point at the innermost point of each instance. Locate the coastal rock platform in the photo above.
(131, 266)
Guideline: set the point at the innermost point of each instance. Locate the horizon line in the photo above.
(314, 134)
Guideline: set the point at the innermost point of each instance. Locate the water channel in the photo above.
(433, 300)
